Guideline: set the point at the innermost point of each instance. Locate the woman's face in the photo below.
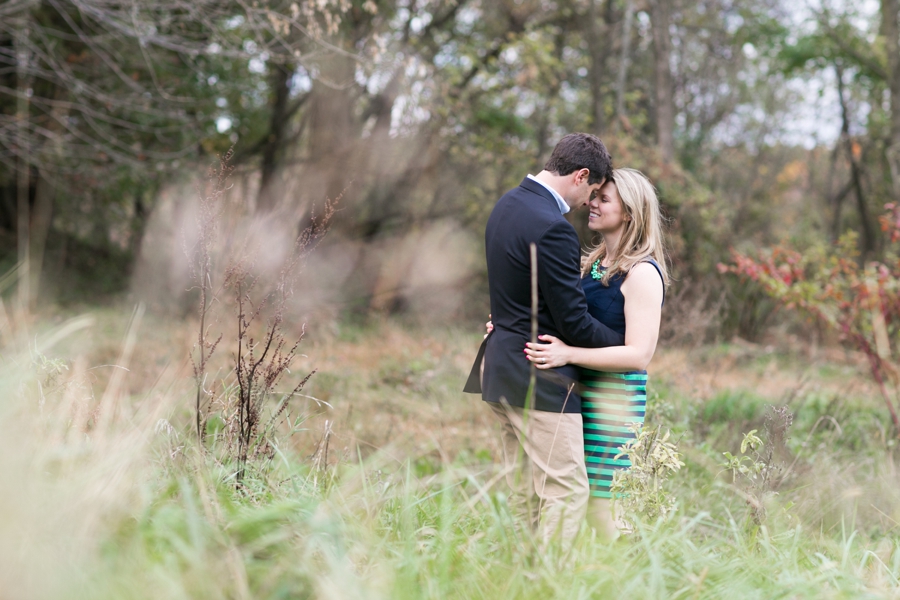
(607, 211)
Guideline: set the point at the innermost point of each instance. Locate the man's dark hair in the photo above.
(581, 151)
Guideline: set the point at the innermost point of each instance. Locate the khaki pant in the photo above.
(545, 468)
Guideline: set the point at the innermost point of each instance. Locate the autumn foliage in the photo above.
(859, 299)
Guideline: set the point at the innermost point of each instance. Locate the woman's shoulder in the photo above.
(646, 277)
(647, 265)
(645, 269)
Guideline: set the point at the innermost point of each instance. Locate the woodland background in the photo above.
(760, 122)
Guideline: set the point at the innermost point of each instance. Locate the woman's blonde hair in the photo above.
(643, 234)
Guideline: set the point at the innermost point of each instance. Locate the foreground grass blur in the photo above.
(106, 496)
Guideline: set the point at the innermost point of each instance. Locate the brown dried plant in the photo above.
(201, 266)
(261, 363)
(263, 353)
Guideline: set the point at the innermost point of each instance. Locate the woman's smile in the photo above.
(606, 210)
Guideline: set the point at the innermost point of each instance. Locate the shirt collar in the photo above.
(563, 207)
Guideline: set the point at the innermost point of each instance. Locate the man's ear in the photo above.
(582, 176)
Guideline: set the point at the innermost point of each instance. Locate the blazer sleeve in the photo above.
(559, 278)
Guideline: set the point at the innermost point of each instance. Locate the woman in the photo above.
(624, 280)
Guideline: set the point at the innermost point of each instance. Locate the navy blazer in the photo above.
(525, 215)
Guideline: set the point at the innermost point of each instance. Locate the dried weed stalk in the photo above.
(201, 265)
(263, 354)
(320, 454)
(261, 363)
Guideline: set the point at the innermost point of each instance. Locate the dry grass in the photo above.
(392, 386)
(397, 388)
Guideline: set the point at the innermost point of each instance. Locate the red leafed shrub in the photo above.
(860, 300)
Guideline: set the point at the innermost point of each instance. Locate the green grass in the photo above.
(365, 533)
(125, 509)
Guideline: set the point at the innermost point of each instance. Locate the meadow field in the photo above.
(385, 485)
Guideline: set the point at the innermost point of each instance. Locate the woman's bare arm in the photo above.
(643, 291)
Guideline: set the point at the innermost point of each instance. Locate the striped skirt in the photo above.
(610, 403)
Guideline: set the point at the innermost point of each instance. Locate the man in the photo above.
(543, 444)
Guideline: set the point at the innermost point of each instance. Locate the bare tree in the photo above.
(890, 28)
(660, 17)
(854, 158)
(597, 70)
(624, 58)
(97, 93)
(23, 153)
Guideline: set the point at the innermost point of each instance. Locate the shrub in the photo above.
(860, 300)
(640, 493)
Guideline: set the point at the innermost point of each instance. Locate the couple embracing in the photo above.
(598, 318)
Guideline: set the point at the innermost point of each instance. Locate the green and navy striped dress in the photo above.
(610, 402)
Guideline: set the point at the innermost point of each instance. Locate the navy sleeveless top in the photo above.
(607, 304)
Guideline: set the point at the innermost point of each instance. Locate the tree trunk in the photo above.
(23, 168)
(545, 114)
(890, 27)
(597, 70)
(333, 132)
(39, 228)
(665, 106)
(138, 225)
(273, 148)
(836, 203)
(45, 188)
(853, 156)
(623, 60)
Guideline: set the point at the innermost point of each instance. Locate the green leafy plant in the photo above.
(756, 473)
(640, 491)
(745, 465)
(48, 369)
